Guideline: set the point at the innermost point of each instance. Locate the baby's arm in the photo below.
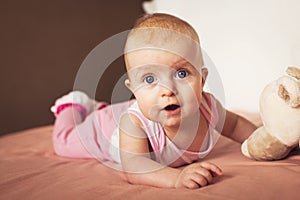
(140, 169)
(234, 126)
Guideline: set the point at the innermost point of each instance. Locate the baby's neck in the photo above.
(189, 135)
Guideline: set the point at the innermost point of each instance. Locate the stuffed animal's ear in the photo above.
(291, 96)
(283, 93)
(289, 87)
(293, 72)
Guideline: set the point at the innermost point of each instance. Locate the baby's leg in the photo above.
(66, 141)
(72, 111)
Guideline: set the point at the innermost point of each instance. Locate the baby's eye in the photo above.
(182, 73)
(149, 79)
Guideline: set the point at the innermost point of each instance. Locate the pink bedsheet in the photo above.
(30, 170)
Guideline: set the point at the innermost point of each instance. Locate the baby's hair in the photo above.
(164, 32)
(166, 21)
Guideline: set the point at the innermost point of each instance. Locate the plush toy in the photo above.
(280, 114)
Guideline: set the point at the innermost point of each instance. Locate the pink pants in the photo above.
(76, 137)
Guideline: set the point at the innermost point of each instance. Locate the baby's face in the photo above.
(167, 87)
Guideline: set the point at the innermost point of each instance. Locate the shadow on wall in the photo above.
(44, 44)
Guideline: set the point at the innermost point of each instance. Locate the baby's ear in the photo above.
(204, 72)
(128, 84)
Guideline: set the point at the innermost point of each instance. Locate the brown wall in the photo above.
(43, 43)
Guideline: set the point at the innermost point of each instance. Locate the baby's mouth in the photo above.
(171, 107)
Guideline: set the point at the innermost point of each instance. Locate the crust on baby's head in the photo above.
(165, 32)
(159, 29)
(166, 21)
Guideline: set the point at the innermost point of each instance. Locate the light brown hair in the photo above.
(166, 21)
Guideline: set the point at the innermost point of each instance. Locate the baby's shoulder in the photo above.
(131, 126)
(129, 119)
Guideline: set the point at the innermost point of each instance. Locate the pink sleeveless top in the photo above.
(99, 134)
(164, 150)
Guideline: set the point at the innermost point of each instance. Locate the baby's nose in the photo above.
(167, 88)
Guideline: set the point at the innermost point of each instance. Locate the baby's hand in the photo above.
(197, 175)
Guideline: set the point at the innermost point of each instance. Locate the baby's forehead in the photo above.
(165, 40)
(161, 69)
(153, 58)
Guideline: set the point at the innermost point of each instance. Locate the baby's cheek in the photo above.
(144, 105)
(192, 98)
(188, 90)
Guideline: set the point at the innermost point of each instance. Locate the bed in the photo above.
(30, 169)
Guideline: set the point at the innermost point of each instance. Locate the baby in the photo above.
(171, 122)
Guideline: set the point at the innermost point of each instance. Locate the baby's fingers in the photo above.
(194, 181)
(216, 171)
(202, 178)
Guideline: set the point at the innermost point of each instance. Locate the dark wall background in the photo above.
(42, 45)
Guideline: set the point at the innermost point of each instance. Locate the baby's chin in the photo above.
(171, 123)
